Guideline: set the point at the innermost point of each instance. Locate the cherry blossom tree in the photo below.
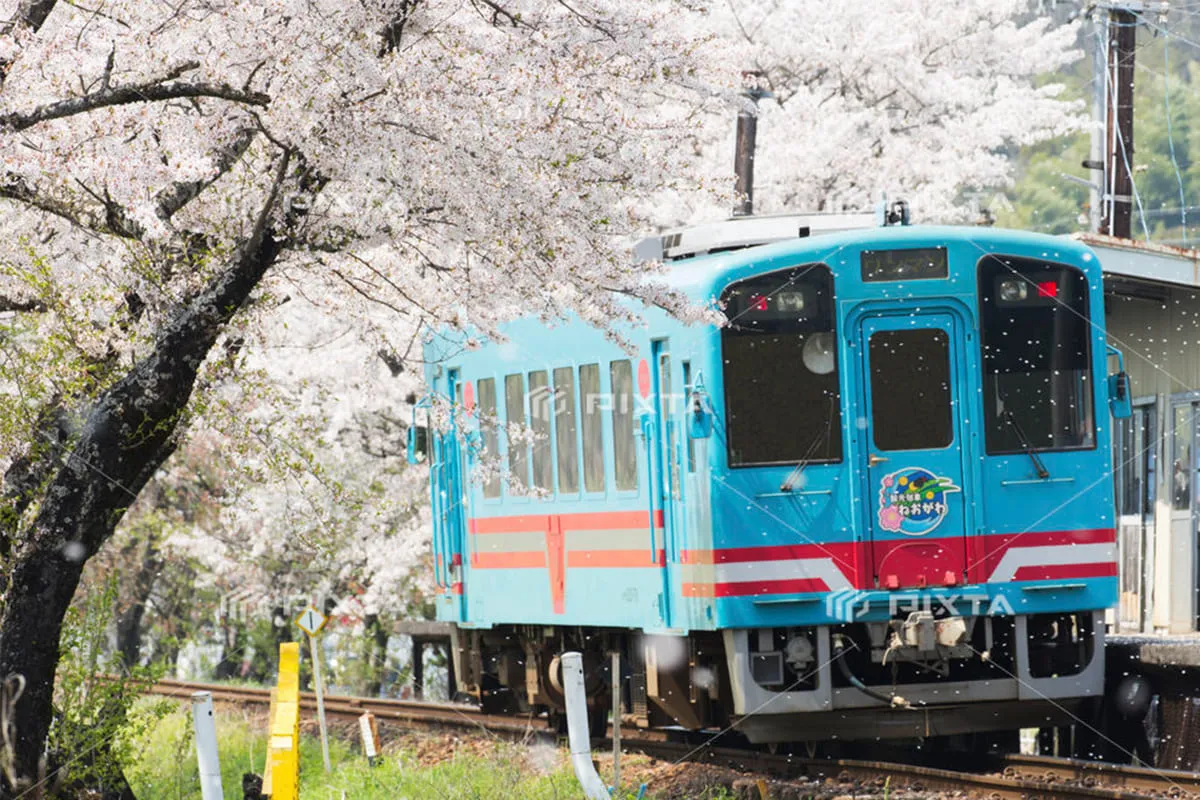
(925, 100)
(174, 176)
(170, 172)
(322, 503)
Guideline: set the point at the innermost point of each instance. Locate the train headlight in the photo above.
(789, 302)
(1013, 290)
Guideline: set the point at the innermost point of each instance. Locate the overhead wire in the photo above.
(1149, 23)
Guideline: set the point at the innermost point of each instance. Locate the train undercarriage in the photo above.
(911, 677)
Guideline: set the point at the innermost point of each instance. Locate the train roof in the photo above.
(703, 275)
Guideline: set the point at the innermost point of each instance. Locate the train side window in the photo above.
(593, 435)
(1035, 343)
(491, 439)
(540, 405)
(518, 451)
(624, 445)
(565, 430)
(910, 389)
(782, 402)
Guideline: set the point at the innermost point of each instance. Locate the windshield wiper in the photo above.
(1040, 467)
(792, 481)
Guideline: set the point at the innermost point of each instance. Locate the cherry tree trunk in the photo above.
(128, 432)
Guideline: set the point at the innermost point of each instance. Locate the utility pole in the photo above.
(1096, 183)
(1121, 43)
(743, 159)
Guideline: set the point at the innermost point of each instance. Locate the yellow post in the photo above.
(282, 779)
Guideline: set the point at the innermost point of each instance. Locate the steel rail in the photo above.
(1136, 778)
(412, 713)
(1021, 777)
(1057, 779)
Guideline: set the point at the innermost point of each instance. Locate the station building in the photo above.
(1152, 305)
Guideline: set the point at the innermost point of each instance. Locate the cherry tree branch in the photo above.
(13, 304)
(589, 21)
(174, 197)
(13, 188)
(31, 15)
(157, 89)
(499, 11)
(392, 32)
(112, 219)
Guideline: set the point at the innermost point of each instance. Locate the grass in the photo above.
(166, 769)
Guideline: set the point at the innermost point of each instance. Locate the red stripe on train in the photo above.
(790, 586)
(1056, 572)
(614, 558)
(588, 521)
(524, 559)
(985, 552)
(838, 551)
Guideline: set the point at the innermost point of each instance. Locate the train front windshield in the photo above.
(1035, 334)
(781, 370)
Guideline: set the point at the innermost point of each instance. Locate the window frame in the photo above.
(569, 401)
(545, 448)
(950, 426)
(1089, 360)
(840, 423)
(525, 454)
(632, 439)
(597, 416)
(494, 426)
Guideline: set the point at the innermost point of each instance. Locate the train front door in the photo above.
(911, 438)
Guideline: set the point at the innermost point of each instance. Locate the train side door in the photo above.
(1136, 469)
(912, 440)
(448, 474)
(665, 478)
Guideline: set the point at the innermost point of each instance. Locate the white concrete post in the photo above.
(616, 720)
(577, 728)
(206, 746)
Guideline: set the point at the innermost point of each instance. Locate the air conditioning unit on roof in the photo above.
(736, 233)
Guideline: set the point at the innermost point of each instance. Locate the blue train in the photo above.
(875, 502)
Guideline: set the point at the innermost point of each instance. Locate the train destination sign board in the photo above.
(913, 264)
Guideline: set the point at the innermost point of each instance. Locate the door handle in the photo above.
(873, 459)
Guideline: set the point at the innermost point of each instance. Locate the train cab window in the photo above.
(565, 432)
(910, 389)
(518, 451)
(624, 444)
(590, 401)
(491, 439)
(782, 400)
(539, 416)
(1037, 377)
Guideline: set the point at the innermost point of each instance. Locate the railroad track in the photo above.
(1023, 777)
(417, 714)
(1140, 780)
(1020, 777)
